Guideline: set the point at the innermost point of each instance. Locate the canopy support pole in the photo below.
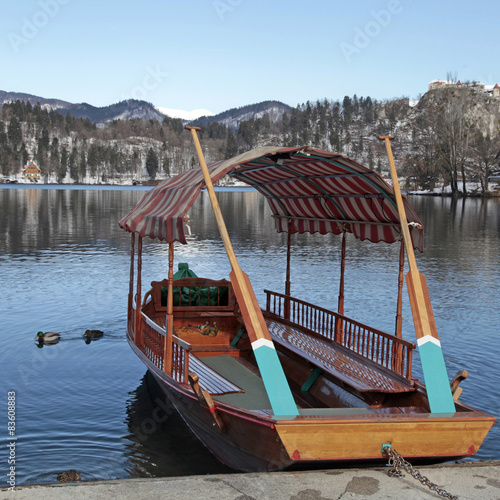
(130, 313)
(287, 282)
(431, 355)
(342, 276)
(276, 385)
(399, 308)
(338, 322)
(167, 347)
(138, 319)
(396, 348)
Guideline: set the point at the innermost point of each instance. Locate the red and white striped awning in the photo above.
(308, 190)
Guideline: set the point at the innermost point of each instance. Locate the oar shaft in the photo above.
(431, 354)
(418, 293)
(225, 237)
(273, 377)
(399, 202)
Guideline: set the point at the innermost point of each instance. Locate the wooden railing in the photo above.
(386, 350)
(180, 360)
(153, 346)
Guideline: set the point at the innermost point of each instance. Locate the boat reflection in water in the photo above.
(159, 443)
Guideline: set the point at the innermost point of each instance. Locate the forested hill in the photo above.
(450, 136)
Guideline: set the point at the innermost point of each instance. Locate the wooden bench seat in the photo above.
(349, 368)
(210, 380)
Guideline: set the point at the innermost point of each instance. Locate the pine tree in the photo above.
(152, 163)
(231, 145)
(63, 167)
(82, 166)
(14, 132)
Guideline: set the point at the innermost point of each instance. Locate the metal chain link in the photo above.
(396, 461)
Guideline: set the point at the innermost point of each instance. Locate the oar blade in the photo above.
(277, 388)
(429, 346)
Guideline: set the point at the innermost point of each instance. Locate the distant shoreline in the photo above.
(473, 193)
(104, 187)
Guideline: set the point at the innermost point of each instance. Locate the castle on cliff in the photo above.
(493, 90)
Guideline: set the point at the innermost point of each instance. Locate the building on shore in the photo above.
(32, 172)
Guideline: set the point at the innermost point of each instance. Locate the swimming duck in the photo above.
(69, 475)
(93, 334)
(48, 337)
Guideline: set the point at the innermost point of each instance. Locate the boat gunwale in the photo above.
(264, 417)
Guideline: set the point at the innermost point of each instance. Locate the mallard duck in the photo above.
(48, 337)
(69, 475)
(93, 334)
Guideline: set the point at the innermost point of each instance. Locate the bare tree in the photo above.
(422, 164)
(454, 127)
(485, 152)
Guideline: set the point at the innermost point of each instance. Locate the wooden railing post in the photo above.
(186, 366)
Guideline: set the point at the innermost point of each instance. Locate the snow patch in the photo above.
(185, 115)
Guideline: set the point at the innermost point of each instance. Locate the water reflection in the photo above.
(159, 443)
(64, 266)
(36, 219)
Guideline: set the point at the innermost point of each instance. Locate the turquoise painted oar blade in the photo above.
(429, 347)
(275, 382)
(435, 375)
(276, 385)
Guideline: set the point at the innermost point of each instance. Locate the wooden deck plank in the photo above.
(349, 369)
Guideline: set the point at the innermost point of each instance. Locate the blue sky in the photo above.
(219, 54)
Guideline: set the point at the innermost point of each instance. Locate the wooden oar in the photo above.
(429, 346)
(278, 390)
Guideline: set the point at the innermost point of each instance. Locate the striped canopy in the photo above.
(308, 190)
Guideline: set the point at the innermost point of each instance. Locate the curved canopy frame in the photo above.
(308, 190)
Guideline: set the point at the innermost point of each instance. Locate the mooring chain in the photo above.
(396, 461)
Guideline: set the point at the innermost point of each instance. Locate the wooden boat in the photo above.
(292, 383)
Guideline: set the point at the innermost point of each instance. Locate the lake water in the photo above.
(64, 266)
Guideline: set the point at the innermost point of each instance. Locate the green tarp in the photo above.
(194, 296)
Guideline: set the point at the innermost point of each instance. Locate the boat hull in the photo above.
(253, 441)
(417, 438)
(249, 443)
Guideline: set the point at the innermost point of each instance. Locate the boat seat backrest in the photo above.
(194, 294)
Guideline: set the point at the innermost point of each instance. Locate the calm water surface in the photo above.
(64, 266)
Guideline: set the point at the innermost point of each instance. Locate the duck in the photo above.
(48, 337)
(93, 334)
(69, 475)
